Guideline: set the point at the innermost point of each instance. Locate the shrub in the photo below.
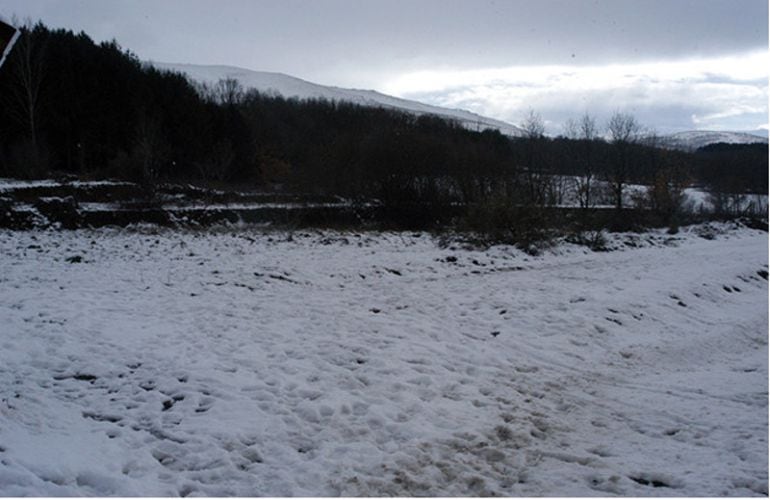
(593, 239)
(498, 219)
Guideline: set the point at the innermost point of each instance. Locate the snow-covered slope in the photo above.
(289, 86)
(694, 139)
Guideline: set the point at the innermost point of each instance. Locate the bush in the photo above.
(65, 211)
(593, 239)
(499, 220)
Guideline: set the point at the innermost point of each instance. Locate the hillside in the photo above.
(691, 140)
(289, 86)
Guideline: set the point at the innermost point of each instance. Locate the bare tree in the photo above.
(585, 132)
(667, 193)
(217, 164)
(229, 91)
(536, 183)
(624, 132)
(149, 150)
(24, 101)
(533, 125)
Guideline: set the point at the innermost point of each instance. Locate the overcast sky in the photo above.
(675, 64)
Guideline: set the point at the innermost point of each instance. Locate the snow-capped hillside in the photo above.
(289, 86)
(694, 139)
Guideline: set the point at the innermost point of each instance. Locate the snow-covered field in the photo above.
(244, 362)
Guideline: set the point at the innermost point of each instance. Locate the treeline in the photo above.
(70, 105)
(733, 168)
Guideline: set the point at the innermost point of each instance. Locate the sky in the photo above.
(674, 64)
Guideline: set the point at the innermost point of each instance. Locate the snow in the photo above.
(198, 206)
(696, 199)
(693, 139)
(14, 184)
(289, 86)
(265, 363)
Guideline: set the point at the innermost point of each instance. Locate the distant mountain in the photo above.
(289, 86)
(693, 139)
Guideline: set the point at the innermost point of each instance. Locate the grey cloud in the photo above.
(665, 106)
(310, 38)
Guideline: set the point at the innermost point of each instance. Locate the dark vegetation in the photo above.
(70, 106)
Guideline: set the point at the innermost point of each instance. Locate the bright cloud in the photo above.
(707, 93)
